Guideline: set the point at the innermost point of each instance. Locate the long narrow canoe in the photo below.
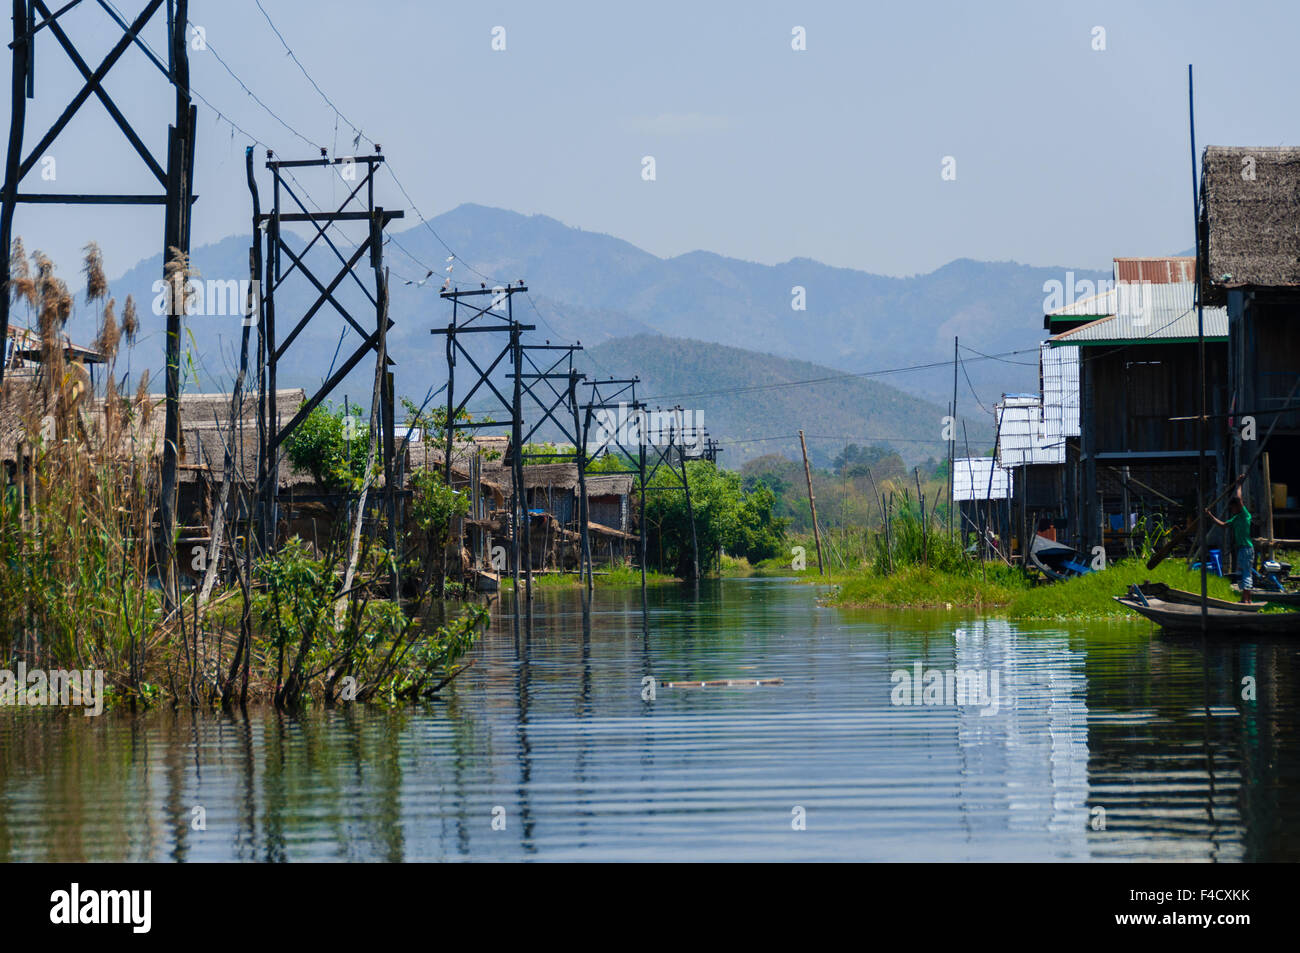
(1177, 617)
(1167, 593)
(1283, 598)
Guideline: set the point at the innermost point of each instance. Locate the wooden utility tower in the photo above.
(175, 173)
(288, 207)
(485, 310)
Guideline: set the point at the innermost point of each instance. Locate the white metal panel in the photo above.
(1022, 433)
(1060, 392)
(971, 480)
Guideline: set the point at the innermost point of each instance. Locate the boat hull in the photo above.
(1166, 593)
(1177, 617)
(1282, 598)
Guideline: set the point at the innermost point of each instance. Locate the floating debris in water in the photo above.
(728, 683)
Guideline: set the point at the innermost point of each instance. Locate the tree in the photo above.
(434, 506)
(726, 518)
(331, 447)
(884, 463)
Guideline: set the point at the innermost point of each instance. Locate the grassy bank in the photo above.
(1090, 596)
(1084, 597)
(916, 587)
(621, 577)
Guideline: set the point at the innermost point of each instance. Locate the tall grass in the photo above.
(79, 550)
(907, 539)
(75, 527)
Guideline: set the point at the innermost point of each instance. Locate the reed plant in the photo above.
(80, 586)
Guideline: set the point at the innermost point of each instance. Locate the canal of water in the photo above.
(1047, 742)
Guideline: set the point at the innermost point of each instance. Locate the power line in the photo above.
(972, 389)
(817, 380)
(360, 135)
(293, 56)
(838, 439)
(244, 86)
(994, 357)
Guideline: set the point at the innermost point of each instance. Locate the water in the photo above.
(1109, 743)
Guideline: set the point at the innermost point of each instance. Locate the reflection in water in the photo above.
(1108, 743)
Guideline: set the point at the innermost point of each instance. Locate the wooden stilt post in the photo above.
(812, 504)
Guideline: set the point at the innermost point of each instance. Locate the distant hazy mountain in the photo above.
(754, 404)
(599, 289)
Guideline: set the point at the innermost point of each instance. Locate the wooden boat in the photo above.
(1167, 593)
(1272, 595)
(1055, 560)
(1178, 617)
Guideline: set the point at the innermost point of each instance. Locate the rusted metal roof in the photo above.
(1160, 271)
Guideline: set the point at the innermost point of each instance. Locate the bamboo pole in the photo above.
(952, 444)
(1268, 499)
(812, 504)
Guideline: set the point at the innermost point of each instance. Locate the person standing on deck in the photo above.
(1238, 522)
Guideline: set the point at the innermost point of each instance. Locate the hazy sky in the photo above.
(1065, 155)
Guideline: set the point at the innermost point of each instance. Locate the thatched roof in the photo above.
(19, 390)
(556, 476)
(601, 530)
(417, 461)
(609, 484)
(1250, 218)
(428, 453)
(213, 410)
(203, 450)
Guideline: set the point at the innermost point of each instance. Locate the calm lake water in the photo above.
(1109, 743)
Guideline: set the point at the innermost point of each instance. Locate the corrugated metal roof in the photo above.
(1167, 270)
(1148, 311)
(1060, 392)
(1022, 433)
(1091, 306)
(971, 480)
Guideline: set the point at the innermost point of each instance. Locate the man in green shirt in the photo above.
(1238, 525)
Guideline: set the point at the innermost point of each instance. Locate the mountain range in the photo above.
(690, 324)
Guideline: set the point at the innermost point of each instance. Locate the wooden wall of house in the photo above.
(560, 503)
(1139, 387)
(607, 511)
(1128, 395)
(1264, 328)
(1276, 346)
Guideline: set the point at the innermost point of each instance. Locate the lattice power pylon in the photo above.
(538, 384)
(175, 173)
(663, 452)
(289, 207)
(630, 434)
(617, 395)
(496, 316)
